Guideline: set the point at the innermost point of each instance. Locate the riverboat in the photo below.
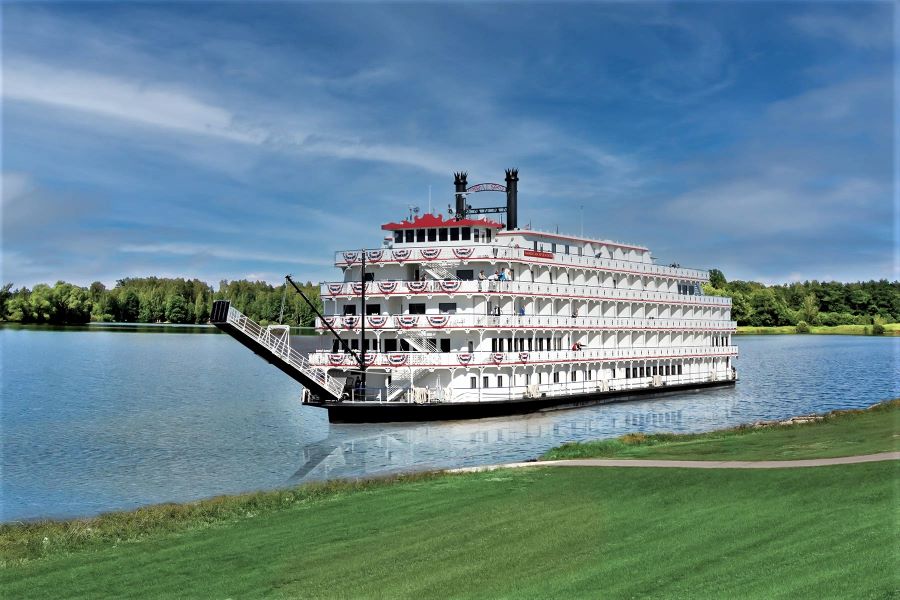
(467, 316)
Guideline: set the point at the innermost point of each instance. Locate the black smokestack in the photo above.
(459, 180)
(512, 199)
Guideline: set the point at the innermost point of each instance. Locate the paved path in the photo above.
(692, 464)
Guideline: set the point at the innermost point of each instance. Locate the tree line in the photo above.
(154, 300)
(808, 302)
(160, 300)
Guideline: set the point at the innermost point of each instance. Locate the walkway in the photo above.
(692, 464)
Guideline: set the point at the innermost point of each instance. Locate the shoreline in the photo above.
(890, 329)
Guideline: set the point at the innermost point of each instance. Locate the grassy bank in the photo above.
(539, 533)
(534, 533)
(840, 433)
(889, 329)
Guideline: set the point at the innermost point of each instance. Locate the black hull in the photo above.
(350, 412)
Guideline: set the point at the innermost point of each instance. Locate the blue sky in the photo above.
(230, 140)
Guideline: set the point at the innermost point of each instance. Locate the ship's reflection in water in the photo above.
(350, 451)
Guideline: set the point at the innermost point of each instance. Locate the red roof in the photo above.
(429, 220)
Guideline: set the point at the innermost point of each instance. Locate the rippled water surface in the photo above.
(99, 420)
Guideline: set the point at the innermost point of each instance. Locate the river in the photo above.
(98, 419)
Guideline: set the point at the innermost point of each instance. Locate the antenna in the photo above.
(582, 220)
(429, 199)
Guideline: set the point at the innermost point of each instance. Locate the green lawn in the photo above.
(528, 533)
(889, 329)
(842, 433)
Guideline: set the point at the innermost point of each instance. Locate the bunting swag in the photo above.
(438, 320)
(330, 321)
(387, 287)
(397, 360)
(350, 322)
(430, 253)
(371, 357)
(407, 321)
(463, 252)
(374, 255)
(401, 255)
(416, 287)
(349, 257)
(498, 357)
(357, 287)
(523, 356)
(450, 285)
(336, 360)
(464, 359)
(335, 288)
(376, 321)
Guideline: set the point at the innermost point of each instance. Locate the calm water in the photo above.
(97, 420)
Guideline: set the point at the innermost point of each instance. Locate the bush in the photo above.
(802, 327)
(877, 329)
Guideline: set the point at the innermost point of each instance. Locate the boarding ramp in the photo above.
(273, 344)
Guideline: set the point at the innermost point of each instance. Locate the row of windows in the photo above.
(638, 372)
(441, 234)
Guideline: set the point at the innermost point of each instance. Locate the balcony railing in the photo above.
(526, 288)
(493, 254)
(398, 360)
(464, 321)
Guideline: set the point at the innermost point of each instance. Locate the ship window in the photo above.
(535, 245)
(409, 235)
(556, 377)
(530, 344)
(527, 378)
(487, 235)
(398, 237)
(420, 235)
(471, 346)
(354, 344)
(368, 276)
(465, 274)
(656, 370)
(613, 372)
(335, 346)
(417, 308)
(349, 309)
(447, 308)
(567, 248)
(627, 373)
(454, 234)
(574, 373)
(590, 374)
(473, 382)
(484, 381)
(373, 309)
(679, 369)
(442, 234)
(445, 345)
(499, 380)
(476, 234)
(466, 233)
(493, 344)
(553, 247)
(432, 235)
(390, 345)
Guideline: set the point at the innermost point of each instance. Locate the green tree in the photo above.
(177, 310)
(717, 279)
(809, 310)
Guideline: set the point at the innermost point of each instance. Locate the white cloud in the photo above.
(872, 30)
(135, 101)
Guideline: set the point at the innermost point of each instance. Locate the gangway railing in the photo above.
(278, 347)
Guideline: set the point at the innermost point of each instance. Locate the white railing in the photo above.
(280, 347)
(398, 360)
(458, 321)
(494, 254)
(526, 288)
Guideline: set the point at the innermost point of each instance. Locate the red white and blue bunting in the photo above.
(463, 252)
(450, 285)
(370, 359)
(523, 356)
(376, 321)
(350, 321)
(407, 321)
(416, 287)
(335, 288)
(401, 254)
(397, 360)
(387, 287)
(464, 359)
(330, 321)
(336, 360)
(357, 287)
(498, 357)
(430, 253)
(350, 257)
(438, 320)
(374, 255)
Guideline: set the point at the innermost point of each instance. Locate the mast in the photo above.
(362, 332)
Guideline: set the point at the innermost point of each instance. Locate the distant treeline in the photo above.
(154, 300)
(809, 302)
